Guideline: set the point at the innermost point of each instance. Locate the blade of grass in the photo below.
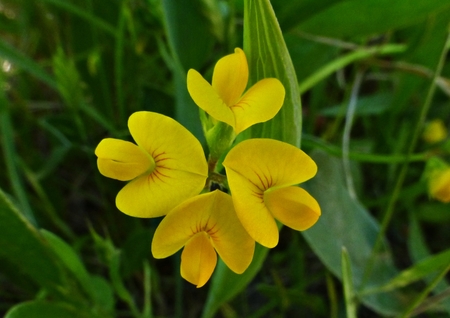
(10, 155)
(312, 141)
(347, 59)
(347, 280)
(402, 174)
(431, 301)
(46, 203)
(420, 298)
(418, 271)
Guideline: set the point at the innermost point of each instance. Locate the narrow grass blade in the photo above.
(9, 153)
(347, 280)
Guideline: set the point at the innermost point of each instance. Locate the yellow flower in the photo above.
(203, 225)
(439, 185)
(225, 100)
(167, 166)
(435, 131)
(261, 174)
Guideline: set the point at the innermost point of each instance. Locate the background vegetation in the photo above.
(371, 74)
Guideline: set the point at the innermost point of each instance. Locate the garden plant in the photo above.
(224, 158)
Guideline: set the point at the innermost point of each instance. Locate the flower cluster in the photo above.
(169, 175)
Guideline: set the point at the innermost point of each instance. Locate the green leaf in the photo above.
(345, 222)
(102, 292)
(97, 288)
(347, 280)
(268, 56)
(69, 258)
(22, 246)
(292, 13)
(43, 309)
(359, 18)
(226, 284)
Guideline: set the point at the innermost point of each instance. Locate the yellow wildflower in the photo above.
(262, 174)
(224, 99)
(203, 225)
(166, 165)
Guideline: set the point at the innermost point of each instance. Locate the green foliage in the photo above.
(268, 56)
(28, 254)
(43, 309)
(73, 71)
(356, 18)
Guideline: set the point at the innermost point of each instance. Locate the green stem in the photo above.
(346, 134)
(431, 302)
(419, 299)
(347, 59)
(312, 141)
(401, 177)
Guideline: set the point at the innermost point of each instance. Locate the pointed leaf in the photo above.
(22, 246)
(333, 231)
(267, 56)
(70, 259)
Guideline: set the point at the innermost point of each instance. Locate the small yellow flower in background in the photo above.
(166, 165)
(439, 185)
(225, 100)
(435, 131)
(261, 174)
(203, 225)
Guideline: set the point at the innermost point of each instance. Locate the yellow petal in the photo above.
(270, 163)
(122, 160)
(208, 99)
(259, 104)
(156, 194)
(230, 77)
(211, 213)
(180, 224)
(293, 206)
(249, 204)
(231, 241)
(170, 144)
(198, 260)
(439, 185)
